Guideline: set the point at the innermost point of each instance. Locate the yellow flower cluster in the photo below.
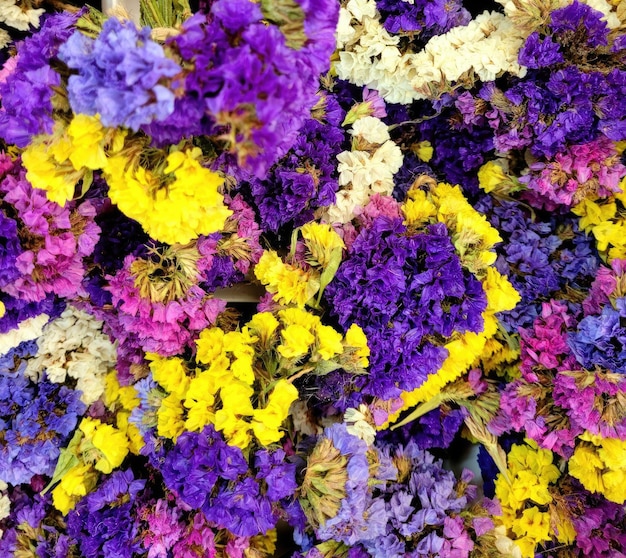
(472, 235)
(600, 465)
(96, 446)
(174, 203)
(290, 283)
(57, 163)
(467, 349)
(240, 382)
(121, 400)
(525, 498)
(606, 221)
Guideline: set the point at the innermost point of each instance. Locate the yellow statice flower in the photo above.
(229, 419)
(418, 210)
(87, 137)
(592, 213)
(170, 373)
(322, 242)
(424, 150)
(600, 465)
(501, 295)
(49, 168)
(296, 341)
(523, 491)
(74, 485)
(264, 324)
(471, 233)
(490, 176)
(210, 344)
(110, 444)
(266, 422)
(329, 342)
(355, 338)
(2, 309)
(122, 400)
(174, 204)
(170, 417)
(289, 284)
(58, 162)
(299, 316)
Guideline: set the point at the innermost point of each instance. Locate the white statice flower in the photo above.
(361, 8)
(345, 31)
(74, 346)
(361, 174)
(371, 129)
(359, 423)
(27, 330)
(389, 155)
(18, 18)
(488, 45)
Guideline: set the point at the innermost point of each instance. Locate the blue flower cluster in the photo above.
(35, 420)
(122, 75)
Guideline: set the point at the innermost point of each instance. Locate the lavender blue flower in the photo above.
(123, 75)
(36, 420)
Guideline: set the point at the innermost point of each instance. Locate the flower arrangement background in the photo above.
(269, 269)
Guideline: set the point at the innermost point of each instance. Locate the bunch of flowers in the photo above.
(259, 259)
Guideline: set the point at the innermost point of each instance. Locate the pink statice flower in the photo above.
(54, 240)
(590, 170)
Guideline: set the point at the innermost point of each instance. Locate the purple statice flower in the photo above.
(581, 23)
(10, 249)
(540, 254)
(246, 83)
(461, 144)
(36, 421)
(402, 289)
(17, 310)
(539, 52)
(573, 102)
(34, 527)
(304, 180)
(600, 524)
(346, 511)
(28, 90)
(54, 240)
(424, 19)
(229, 254)
(422, 502)
(412, 167)
(193, 467)
(209, 475)
(103, 523)
(276, 473)
(600, 340)
(436, 429)
(122, 75)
